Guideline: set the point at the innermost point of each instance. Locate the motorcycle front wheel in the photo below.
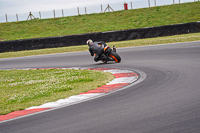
(115, 56)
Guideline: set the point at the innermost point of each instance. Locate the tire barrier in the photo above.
(109, 36)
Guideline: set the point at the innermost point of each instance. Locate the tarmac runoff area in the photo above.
(123, 78)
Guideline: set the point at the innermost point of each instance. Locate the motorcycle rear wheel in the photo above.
(115, 56)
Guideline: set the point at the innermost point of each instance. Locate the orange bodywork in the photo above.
(106, 48)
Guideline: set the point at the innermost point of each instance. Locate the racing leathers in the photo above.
(97, 50)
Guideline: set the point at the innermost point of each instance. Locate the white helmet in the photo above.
(89, 42)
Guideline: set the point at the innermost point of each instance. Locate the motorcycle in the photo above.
(109, 54)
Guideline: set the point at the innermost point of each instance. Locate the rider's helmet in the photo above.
(89, 42)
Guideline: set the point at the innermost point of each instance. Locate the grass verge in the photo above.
(20, 89)
(119, 20)
(130, 43)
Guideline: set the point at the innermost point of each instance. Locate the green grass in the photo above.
(130, 43)
(120, 20)
(20, 89)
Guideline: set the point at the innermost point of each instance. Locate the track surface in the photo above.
(167, 101)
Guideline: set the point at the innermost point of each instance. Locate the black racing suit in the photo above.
(94, 48)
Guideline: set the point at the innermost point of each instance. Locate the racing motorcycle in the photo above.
(109, 54)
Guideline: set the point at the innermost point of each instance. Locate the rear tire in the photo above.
(115, 56)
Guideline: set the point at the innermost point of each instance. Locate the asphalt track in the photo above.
(167, 101)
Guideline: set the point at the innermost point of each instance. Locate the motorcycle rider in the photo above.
(96, 49)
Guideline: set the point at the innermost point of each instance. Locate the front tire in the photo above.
(115, 56)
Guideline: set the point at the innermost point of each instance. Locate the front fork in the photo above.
(114, 49)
